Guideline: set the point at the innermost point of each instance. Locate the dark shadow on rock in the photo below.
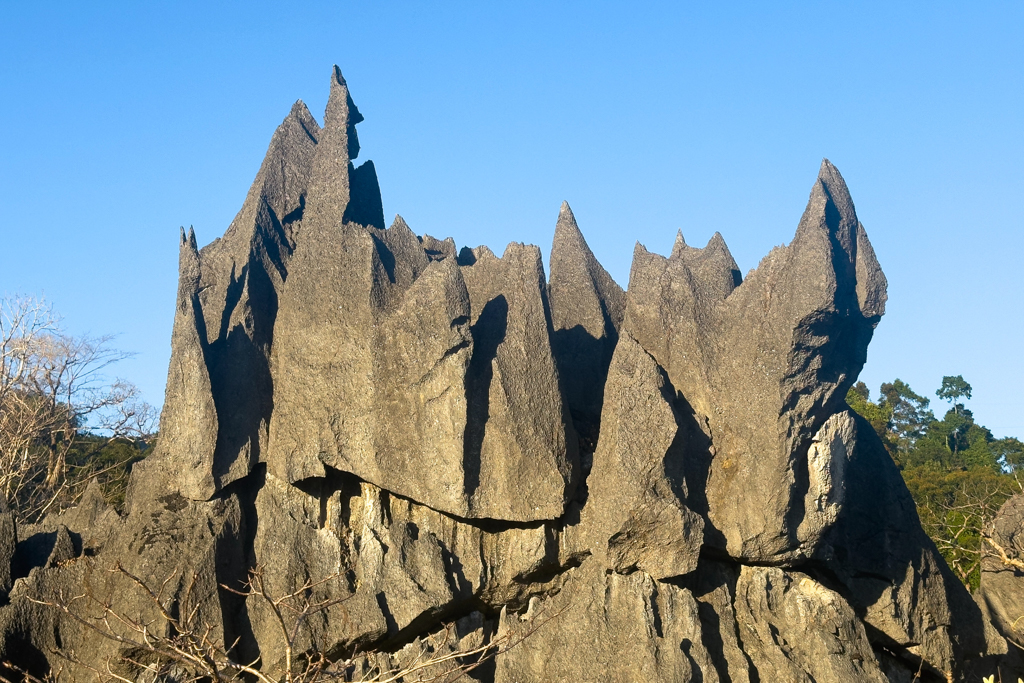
(233, 569)
(488, 333)
(389, 617)
(37, 549)
(466, 257)
(387, 258)
(234, 294)
(688, 465)
(698, 675)
(22, 654)
(713, 575)
(460, 585)
(296, 213)
(841, 359)
(737, 278)
(240, 375)
(364, 205)
(582, 362)
(878, 541)
(710, 626)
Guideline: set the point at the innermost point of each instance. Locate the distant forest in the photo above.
(957, 472)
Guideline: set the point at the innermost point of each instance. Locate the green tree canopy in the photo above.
(958, 473)
(953, 389)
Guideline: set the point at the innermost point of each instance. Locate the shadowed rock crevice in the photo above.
(365, 206)
(488, 332)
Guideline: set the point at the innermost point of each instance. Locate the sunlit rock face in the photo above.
(662, 483)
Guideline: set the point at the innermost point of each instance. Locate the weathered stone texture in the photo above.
(444, 450)
(765, 362)
(519, 438)
(1001, 593)
(795, 629)
(606, 626)
(635, 516)
(188, 422)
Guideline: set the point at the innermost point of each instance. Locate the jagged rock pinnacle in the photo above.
(586, 311)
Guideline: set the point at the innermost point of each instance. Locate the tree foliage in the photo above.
(958, 473)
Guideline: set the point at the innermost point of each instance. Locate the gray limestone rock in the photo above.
(587, 307)
(890, 571)
(425, 350)
(520, 447)
(243, 274)
(180, 548)
(322, 360)
(1001, 593)
(391, 433)
(372, 363)
(188, 422)
(299, 543)
(764, 363)
(1002, 586)
(438, 249)
(402, 255)
(605, 626)
(635, 517)
(795, 629)
(433, 656)
(715, 588)
(400, 567)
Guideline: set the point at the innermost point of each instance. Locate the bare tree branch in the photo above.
(54, 387)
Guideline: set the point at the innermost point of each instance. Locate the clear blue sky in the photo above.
(121, 121)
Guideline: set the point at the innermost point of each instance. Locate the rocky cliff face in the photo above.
(661, 484)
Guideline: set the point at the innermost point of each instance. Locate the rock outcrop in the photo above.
(1001, 591)
(658, 484)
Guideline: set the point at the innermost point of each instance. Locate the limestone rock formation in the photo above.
(606, 626)
(587, 306)
(188, 423)
(795, 629)
(519, 438)
(434, 450)
(763, 363)
(635, 516)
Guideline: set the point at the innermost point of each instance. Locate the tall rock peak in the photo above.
(587, 307)
(679, 245)
(188, 421)
(567, 233)
(189, 271)
(338, 145)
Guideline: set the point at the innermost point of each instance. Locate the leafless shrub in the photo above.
(179, 645)
(52, 387)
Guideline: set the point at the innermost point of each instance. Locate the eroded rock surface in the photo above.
(764, 363)
(432, 450)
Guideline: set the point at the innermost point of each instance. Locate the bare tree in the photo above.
(957, 521)
(180, 645)
(53, 386)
